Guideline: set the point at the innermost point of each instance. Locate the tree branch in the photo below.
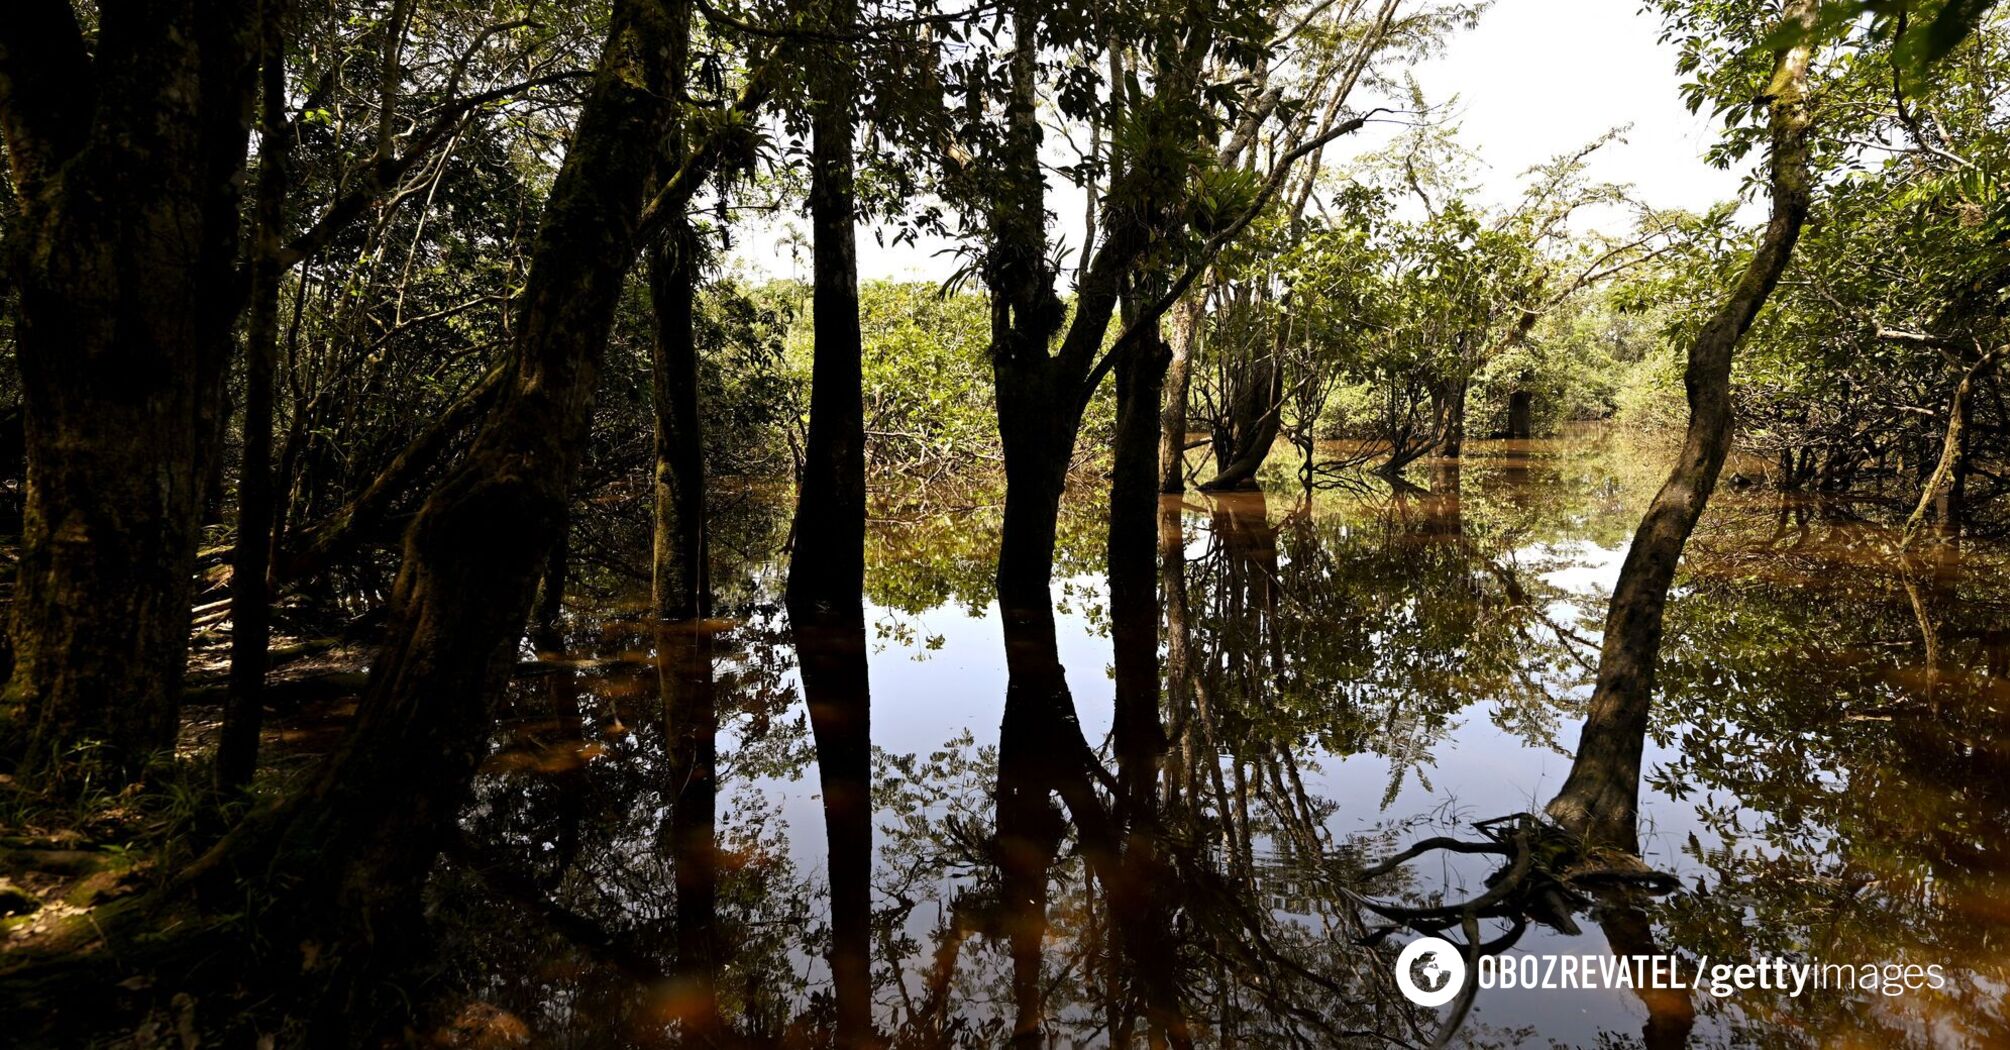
(385, 173)
(1149, 317)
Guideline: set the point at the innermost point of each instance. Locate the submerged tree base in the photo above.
(1547, 873)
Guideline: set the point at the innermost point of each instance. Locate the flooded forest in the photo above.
(950, 524)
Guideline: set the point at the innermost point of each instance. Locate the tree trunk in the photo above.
(1132, 562)
(126, 164)
(681, 580)
(1521, 415)
(251, 557)
(1940, 497)
(1257, 418)
(1038, 435)
(1186, 322)
(827, 565)
(827, 568)
(1449, 403)
(1182, 788)
(366, 831)
(1600, 799)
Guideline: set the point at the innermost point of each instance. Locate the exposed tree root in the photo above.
(1548, 875)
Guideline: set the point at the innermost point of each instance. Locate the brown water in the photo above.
(1825, 774)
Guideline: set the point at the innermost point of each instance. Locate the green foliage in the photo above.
(927, 380)
(1911, 233)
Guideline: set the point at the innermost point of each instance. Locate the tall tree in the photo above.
(827, 563)
(251, 558)
(681, 585)
(126, 152)
(1600, 798)
(826, 585)
(472, 558)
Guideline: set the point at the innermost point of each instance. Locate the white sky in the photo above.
(1539, 77)
(1536, 78)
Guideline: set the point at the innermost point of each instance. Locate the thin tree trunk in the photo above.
(1183, 786)
(251, 558)
(1600, 799)
(827, 566)
(1132, 563)
(1940, 497)
(1185, 334)
(681, 576)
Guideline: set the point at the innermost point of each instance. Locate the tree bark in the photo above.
(251, 557)
(1940, 497)
(1185, 334)
(127, 164)
(1600, 799)
(681, 576)
(1132, 563)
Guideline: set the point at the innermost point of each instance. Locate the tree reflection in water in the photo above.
(1823, 777)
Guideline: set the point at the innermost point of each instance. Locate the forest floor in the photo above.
(60, 860)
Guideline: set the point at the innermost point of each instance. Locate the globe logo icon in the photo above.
(1430, 971)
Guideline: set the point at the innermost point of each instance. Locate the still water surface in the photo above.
(1825, 775)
